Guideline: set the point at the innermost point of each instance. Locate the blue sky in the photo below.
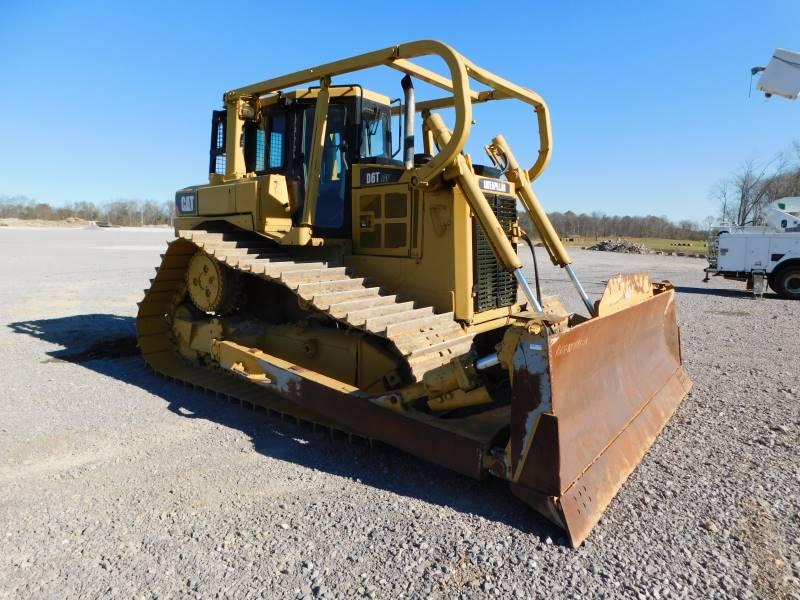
(106, 100)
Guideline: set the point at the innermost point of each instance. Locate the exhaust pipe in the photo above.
(411, 108)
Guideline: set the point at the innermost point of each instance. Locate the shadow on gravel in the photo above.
(106, 344)
(707, 291)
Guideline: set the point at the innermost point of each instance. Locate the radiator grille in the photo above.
(494, 286)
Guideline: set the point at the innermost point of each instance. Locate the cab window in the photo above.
(375, 133)
(277, 133)
(263, 143)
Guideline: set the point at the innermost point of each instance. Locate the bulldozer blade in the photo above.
(607, 388)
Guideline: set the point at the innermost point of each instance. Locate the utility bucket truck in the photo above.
(765, 254)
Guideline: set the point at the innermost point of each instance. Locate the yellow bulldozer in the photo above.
(332, 271)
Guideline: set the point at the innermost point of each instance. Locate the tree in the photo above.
(599, 225)
(743, 196)
(118, 212)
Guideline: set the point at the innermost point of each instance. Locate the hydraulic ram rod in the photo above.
(526, 289)
(578, 286)
(497, 237)
(501, 154)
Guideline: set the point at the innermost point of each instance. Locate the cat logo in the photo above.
(185, 202)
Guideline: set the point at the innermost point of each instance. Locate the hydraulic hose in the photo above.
(535, 267)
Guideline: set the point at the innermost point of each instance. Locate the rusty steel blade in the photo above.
(614, 383)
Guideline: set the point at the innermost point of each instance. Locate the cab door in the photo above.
(334, 213)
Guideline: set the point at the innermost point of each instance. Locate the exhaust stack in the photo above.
(410, 110)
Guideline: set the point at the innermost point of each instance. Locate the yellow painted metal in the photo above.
(460, 399)
(247, 197)
(239, 221)
(493, 318)
(500, 150)
(438, 271)
(234, 153)
(205, 281)
(428, 143)
(451, 386)
(315, 160)
(260, 367)
(194, 334)
(461, 258)
(458, 83)
(217, 199)
(624, 291)
(457, 374)
(504, 88)
(183, 331)
(382, 220)
(334, 91)
(466, 179)
(356, 360)
(275, 206)
(441, 274)
(353, 359)
(398, 57)
(408, 67)
(448, 101)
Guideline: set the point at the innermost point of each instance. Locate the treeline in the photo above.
(118, 212)
(148, 212)
(601, 226)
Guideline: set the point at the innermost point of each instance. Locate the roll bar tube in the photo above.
(398, 57)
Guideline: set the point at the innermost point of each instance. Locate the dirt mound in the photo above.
(620, 245)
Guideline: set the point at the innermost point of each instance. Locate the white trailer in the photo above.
(766, 254)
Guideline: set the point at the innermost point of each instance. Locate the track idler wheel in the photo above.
(213, 288)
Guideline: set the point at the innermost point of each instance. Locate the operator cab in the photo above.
(278, 140)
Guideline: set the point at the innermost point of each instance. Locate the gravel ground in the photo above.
(115, 483)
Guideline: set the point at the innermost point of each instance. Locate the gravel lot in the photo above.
(115, 483)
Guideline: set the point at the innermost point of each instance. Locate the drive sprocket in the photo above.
(213, 288)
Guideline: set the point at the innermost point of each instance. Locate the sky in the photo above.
(649, 101)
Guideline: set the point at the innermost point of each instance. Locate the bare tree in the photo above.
(742, 197)
(785, 181)
(750, 191)
(118, 212)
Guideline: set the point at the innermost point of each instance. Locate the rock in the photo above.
(709, 525)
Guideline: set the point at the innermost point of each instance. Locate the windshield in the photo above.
(376, 136)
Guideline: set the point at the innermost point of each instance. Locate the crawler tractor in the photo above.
(318, 276)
